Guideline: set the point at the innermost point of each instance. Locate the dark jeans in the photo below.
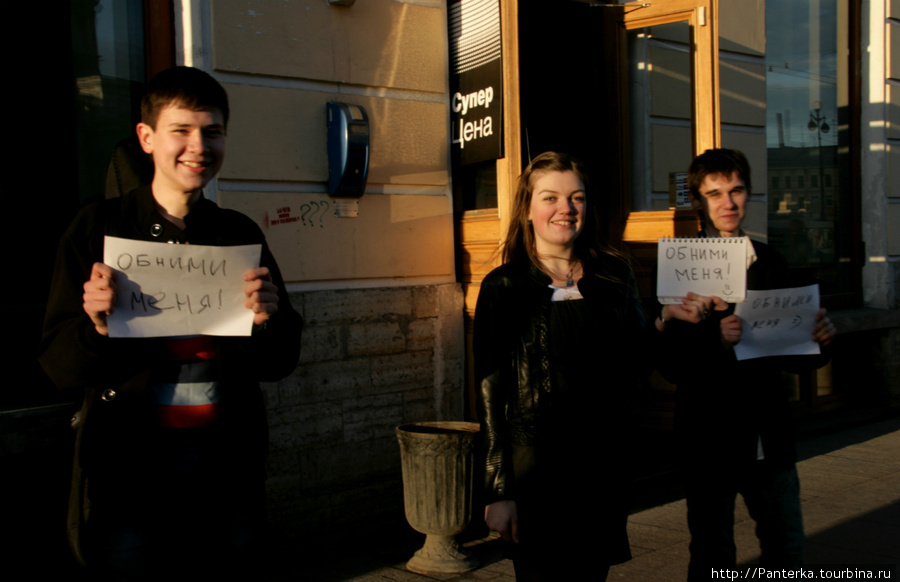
(186, 511)
(773, 500)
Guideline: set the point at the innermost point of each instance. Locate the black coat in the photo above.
(540, 440)
(117, 423)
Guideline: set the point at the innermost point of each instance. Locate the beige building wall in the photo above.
(282, 62)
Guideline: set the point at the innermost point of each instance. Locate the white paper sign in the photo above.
(778, 323)
(173, 290)
(706, 266)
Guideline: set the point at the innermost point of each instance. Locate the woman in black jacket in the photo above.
(557, 333)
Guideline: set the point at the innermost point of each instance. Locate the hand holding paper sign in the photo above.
(171, 290)
(731, 328)
(781, 322)
(100, 296)
(262, 294)
(693, 308)
(707, 266)
(824, 331)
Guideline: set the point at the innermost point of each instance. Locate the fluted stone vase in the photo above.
(437, 460)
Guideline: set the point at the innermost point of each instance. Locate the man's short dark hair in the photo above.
(724, 162)
(185, 87)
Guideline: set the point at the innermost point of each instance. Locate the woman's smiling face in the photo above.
(557, 211)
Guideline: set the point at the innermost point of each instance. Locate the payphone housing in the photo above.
(348, 150)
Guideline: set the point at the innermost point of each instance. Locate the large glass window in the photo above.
(659, 85)
(76, 95)
(808, 136)
(108, 66)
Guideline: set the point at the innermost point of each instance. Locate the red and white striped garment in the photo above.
(185, 385)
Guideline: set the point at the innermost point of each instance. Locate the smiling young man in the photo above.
(169, 473)
(721, 199)
(732, 418)
(188, 147)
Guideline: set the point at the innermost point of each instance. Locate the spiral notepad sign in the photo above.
(707, 266)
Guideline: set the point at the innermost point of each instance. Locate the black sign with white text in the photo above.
(476, 80)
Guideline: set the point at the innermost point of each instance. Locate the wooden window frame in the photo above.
(702, 16)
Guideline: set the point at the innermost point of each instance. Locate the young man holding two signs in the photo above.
(732, 417)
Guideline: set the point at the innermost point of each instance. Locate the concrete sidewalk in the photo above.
(850, 490)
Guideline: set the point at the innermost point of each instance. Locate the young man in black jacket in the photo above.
(732, 417)
(169, 472)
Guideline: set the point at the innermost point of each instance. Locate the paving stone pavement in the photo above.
(850, 493)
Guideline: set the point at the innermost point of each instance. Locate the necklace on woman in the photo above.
(570, 276)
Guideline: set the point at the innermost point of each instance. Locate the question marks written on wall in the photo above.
(313, 213)
(309, 214)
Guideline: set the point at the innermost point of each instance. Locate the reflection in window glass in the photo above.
(806, 135)
(477, 184)
(659, 91)
(108, 66)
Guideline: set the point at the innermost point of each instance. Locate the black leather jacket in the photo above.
(516, 376)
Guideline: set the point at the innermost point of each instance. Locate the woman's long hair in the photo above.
(520, 241)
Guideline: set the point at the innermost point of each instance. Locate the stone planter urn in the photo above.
(437, 460)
